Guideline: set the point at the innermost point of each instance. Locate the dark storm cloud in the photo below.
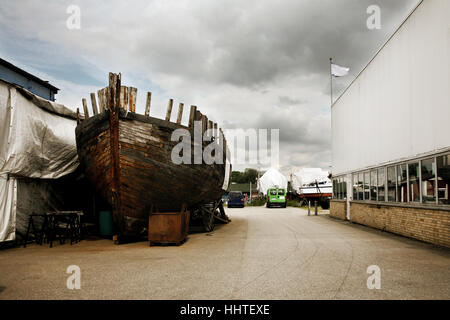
(247, 64)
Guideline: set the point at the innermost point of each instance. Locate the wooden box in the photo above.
(168, 227)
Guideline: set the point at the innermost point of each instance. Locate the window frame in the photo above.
(398, 179)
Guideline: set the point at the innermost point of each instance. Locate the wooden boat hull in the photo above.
(127, 158)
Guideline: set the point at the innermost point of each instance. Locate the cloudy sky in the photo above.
(245, 64)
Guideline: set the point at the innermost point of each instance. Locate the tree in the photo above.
(249, 175)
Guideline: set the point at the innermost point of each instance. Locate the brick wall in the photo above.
(424, 224)
(338, 209)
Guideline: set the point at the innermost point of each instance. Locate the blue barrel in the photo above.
(106, 223)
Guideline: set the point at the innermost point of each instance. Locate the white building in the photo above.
(390, 133)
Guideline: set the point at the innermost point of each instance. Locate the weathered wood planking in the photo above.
(169, 109)
(192, 114)
(124, 96)
(94, 104)
(132, 92)
(141, 173)
(204, 123)
(78, 116)
(147, 174)
(180, 112)
(102, 98)
(148, 103)
(85, 108)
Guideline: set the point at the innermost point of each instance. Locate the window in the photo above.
(337, 188)
(366, 185)
(414, 185)
(344, 188)
(402, 183)
(334, 189)
(443, 177)
(381, 184)
(391, 184)
(360, 186)
(428, 173)
(373, 185)
(426, 181)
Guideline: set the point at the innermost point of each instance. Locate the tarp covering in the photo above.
(37, 140)
(308, 176)
(8, 198)
(272, 179)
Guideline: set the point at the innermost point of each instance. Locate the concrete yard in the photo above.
(262, 254)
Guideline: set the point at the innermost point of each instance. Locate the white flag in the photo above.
(339, 71)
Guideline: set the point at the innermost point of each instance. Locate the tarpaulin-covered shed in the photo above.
(37, 155)
(272, 179)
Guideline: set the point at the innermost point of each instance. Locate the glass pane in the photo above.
(428, 180)
(355, 186)
(443, 173)
(334, 189)
(344, 189)
(366, 185)
(338, 188)
(360, 186)
(373, 185)
(391, 184)
(414, 186)
(402, 192)
(381, 186)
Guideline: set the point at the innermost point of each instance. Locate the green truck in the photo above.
(276, 197)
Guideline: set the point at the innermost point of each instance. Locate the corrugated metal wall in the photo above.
(399, 106)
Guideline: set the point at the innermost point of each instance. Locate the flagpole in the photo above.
(331, 83)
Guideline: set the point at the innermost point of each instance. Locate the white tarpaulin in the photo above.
(8, 198)
(307, 176)
(272, 179)
(37, 140)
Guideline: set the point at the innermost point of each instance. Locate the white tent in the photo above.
(37, 140)
(308, 176)
(271, 179)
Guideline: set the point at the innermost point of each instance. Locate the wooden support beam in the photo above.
(204, 123)
(198, 115)
(132, 96)
(180, 113)
(78, 116)
(85, 109)
(215, 129)
(94, 104)
(147, 104)
(102, 99)
(192, 114)
(169, 110)
(113, 103)
(124, 97)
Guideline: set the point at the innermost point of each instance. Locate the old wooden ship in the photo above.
(127, 158)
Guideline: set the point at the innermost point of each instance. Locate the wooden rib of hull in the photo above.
(146, 176)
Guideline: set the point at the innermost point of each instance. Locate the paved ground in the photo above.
(262, 254)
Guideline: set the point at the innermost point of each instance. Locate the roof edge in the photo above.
(379, 50)
(29, 75)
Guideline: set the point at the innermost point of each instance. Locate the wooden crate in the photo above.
(168, 227)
